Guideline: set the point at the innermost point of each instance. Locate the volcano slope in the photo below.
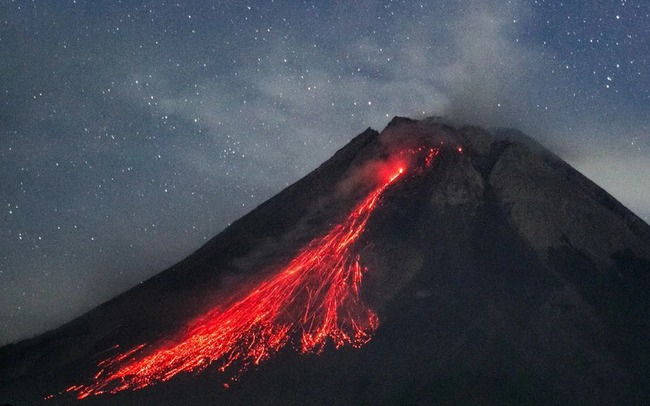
(485, 270)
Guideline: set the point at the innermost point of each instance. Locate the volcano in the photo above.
(426, 264)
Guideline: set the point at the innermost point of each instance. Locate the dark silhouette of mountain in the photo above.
(499, 275)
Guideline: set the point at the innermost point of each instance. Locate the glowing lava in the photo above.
(315, 297)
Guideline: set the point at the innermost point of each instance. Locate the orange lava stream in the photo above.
(315, 296)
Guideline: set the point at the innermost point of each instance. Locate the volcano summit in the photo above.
(425, 264)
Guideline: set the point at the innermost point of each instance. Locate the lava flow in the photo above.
(314, 298)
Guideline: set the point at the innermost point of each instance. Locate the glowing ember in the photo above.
(315, 297)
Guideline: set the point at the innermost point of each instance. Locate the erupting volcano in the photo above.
(315, 296)
(426, 264)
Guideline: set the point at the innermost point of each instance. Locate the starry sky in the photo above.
(131, 132)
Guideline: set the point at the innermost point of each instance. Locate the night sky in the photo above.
(131, 132)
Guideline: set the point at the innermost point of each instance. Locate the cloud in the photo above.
(273, 119)
(471, 62)
(489, 78)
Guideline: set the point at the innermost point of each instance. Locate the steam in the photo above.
(490, 79)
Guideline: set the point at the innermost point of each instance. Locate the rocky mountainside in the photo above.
(498, 274)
